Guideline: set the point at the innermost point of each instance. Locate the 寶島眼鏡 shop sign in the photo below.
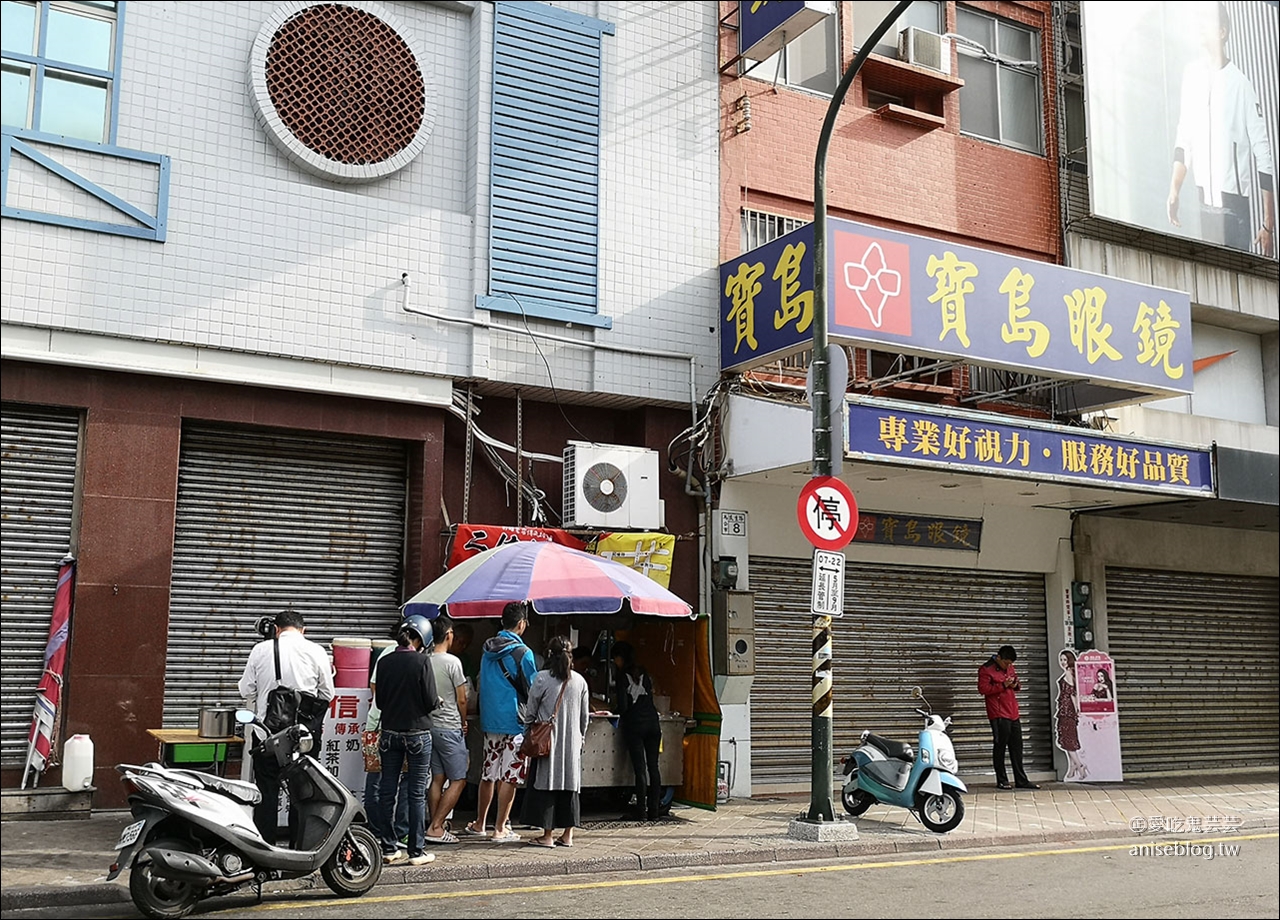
(764, 26)
(905, 293)
(979, 444)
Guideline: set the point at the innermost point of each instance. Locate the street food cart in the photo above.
(579, 595)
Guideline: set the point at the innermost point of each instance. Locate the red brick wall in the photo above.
(931, 182)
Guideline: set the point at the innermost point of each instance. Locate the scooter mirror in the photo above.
(917, 693)
(245, 716)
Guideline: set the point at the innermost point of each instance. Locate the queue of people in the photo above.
(415, 736)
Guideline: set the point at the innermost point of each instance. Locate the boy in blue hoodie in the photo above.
(506, 672)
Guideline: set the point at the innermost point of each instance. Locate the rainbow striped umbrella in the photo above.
(551, 578)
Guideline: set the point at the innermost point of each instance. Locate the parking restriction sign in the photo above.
(828, 584)
(827, 512)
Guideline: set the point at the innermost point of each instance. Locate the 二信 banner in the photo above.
(470, 539)
(906, 293)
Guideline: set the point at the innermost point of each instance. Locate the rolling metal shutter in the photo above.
(267, 520)
(903, 625)
(546, 158)
(39, 484)
(1197, 669)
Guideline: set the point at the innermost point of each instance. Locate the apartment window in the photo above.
(760, 227)
(1000, 65)
(60, 60)
(809, 61)
(923, 14)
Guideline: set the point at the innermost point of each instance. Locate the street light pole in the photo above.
(820, 807)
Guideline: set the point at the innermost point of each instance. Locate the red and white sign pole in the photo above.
(828, 517)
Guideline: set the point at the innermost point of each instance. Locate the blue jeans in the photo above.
(401, 823)
(396, 748)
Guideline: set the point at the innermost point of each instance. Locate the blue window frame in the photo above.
(545, 170)
(61, 60)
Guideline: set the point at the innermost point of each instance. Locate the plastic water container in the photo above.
(77, 763)
(351, 654)
(351, 677)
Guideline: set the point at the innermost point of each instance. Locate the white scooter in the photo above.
(194, 837)
(892, 773)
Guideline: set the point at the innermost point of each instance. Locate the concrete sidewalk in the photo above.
(50, 863)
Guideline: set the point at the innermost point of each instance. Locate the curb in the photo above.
(19, 897)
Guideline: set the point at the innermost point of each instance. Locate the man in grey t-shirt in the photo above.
(448, 732)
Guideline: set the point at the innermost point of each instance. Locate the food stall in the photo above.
(594, 602)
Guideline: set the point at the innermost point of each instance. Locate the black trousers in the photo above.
(266, 774)
(643, 746)
(1008, 734)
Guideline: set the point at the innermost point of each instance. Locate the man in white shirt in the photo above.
(304, 665)
(1221, 136)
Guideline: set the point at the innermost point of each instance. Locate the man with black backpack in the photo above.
(288, 660)
(506, 673)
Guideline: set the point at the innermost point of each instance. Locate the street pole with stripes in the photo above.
(820, 806)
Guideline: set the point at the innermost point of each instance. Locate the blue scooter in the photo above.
(923, 782)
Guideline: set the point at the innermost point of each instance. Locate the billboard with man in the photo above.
(1181, 105)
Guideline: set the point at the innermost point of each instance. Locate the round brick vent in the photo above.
(341, 89)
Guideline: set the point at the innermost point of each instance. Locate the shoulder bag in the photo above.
(537, 740)
(286, 706)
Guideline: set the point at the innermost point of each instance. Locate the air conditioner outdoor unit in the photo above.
(925, 49)
(612, 486)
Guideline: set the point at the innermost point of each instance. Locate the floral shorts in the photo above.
(502, 760)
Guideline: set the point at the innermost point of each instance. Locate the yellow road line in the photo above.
(765, 873)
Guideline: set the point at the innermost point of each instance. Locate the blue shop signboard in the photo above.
(759, 20)
(905, 293)
(980, 444)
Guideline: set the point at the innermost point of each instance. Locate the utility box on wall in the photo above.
(733, 633)
(1082, 615)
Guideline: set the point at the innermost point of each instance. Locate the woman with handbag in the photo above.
(559, 703)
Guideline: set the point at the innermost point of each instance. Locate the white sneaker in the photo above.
(396, 858)
(422, 859)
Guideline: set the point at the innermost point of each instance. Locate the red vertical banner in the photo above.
(42, 739)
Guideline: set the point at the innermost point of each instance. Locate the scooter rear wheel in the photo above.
(356, 865)
(856, 802)
(161, 898)
(940, 813)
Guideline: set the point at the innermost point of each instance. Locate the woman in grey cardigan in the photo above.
(551, 790)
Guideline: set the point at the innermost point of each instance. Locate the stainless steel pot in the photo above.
(217, 722)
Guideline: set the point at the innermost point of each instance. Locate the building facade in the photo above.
(262, 261)
(975, 147)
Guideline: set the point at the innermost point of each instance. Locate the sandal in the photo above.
(508, 837)
(536, 842)
(561, 842)
(1004, 785)
(444, 838)
(469, 831)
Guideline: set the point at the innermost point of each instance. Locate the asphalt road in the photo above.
(1101, 879)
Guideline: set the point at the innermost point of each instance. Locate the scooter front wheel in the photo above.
(356, 865)
(161, 898)
(942, 812)
(856, 801)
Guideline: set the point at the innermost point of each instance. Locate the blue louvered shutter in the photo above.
(544, 231)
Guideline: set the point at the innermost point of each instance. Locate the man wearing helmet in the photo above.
(405, 691)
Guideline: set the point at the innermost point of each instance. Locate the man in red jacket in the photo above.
(998, 682)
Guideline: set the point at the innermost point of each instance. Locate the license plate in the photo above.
(129, 836)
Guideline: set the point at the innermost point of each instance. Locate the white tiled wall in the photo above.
(262, 257)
